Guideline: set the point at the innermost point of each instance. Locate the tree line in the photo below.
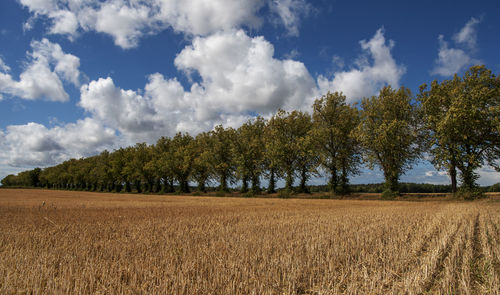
(455, 124)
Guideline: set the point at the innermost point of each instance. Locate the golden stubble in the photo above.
(60, 242)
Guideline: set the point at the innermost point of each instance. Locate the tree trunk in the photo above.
(244, 184)
(201, 186)
(392, 182)
(157, 186)
(149, 186)
(303, 180)
(333, 183)
(138, 186)
(223, 182)
(184, 186)
(453, 176)
(468, 178)
(289, 180)
(344, 180)
(255, 184)
(272, 182)
(171, 186)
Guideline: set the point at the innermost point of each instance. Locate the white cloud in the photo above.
(452, 60)
(36, 145)
(239, 77)
(240, 74)
(41, 78)
(468, 34)
(64, 23)
(290, 13)
(204, 17)
(129, 20)
(366, 78)
(126, 21)
(65, 65)
(124, 110)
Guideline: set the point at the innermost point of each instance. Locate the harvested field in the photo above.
(60, 242)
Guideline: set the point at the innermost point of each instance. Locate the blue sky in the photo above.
(78, 77)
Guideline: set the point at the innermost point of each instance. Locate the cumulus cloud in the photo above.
(64, 23)
(36, 145)
(126, 21)
(290, 13)
(125, 110)
(240, 74)
(366, 77)
(42, 77)
(452, 60)
(239, 77)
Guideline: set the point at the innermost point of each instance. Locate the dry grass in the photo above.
(81, 243)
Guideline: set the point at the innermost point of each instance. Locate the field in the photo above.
(57, 242)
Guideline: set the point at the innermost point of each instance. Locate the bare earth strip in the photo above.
(60, 242)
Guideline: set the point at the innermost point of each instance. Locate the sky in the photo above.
(81, 76)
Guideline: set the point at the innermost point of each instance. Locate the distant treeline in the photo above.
(455, 124)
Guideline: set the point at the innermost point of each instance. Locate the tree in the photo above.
(202, 171)
(287, 149)
(161, 159)
(118, 169)
(307, 156)
(463, 119)
(335, 124)
(390, 133)
(101, 172)
(135, 166)
(181, 159)
(9, 180)
(436, 103)
(248, 150)
(270, 158)
(221, 155)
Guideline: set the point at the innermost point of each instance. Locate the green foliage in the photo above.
(248, 149)
(289, 146)
(390, 133)
(389, 194)
(463, 119)
(221, 156)
(470, 194)
(494, 188)
(334, 136)
(285, 193)
(180, 159)
(220, 193)
(202, 170)
(249, 194)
